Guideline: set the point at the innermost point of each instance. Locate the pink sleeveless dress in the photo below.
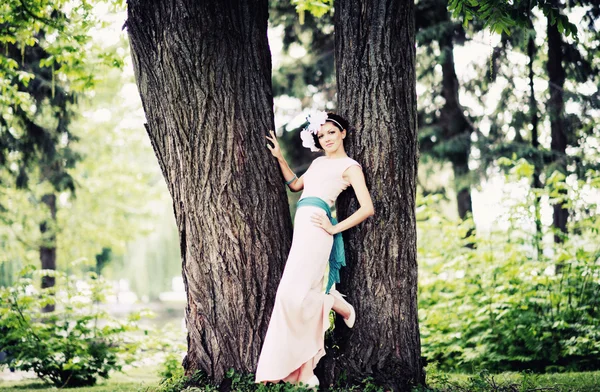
(295, 336)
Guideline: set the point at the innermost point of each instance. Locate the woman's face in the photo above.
(330, 137)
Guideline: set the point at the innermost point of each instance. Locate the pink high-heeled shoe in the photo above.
(312, 382)
(352, 318)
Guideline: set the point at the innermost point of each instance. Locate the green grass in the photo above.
(553, 382)
(132, 380)
(580, 382)
(139, 379)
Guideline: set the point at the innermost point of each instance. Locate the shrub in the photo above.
(171, 367)
(71, 346)
(240, 382)
(501, 305)
(179, 382)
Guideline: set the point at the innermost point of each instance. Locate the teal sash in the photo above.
(337, 258)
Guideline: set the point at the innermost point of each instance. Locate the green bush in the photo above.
(171, 367)
(501, 305)
(239, 382)
(178, 382)
(70, 346)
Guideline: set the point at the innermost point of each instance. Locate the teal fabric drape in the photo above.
(337, 257)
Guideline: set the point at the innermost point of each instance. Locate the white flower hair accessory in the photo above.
(315, 120)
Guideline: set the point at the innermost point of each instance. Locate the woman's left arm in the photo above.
(355, 176)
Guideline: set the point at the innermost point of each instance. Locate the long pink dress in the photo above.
(295, 336)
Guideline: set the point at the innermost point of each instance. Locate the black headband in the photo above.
(336, 123)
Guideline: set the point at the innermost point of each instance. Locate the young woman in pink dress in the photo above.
(294, 342)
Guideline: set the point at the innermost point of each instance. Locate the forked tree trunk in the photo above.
(375, 64)
(203, 69)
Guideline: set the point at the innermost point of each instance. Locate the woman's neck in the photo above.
(337, 154)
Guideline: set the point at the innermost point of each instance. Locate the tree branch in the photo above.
(37, 17)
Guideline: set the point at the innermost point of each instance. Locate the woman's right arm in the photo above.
(295, 184)
(298, 183)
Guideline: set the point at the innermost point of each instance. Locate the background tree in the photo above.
(208, 107)
(42, 67)
(38, 133)
(54, 148)
(445, 129)
(515, 132)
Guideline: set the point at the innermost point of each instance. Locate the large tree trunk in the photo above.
(203, 70)
(48, 247)
(375, 63)
(558, 145)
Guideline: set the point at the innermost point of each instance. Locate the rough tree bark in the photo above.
(375, 64)
(203, 70)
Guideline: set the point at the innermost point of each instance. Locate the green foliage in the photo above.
(500, 15)
(436, 381)
(497, 305)
(240, 382)
(179, 382)
(117, 171)
(61, 28)
(317, 8)
(72, 346)
(171, 368)
(45, 60)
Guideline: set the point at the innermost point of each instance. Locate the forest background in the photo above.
(508, 184)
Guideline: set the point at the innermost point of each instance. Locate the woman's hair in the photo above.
(340, 122)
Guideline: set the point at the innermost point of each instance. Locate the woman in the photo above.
(295, 337)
